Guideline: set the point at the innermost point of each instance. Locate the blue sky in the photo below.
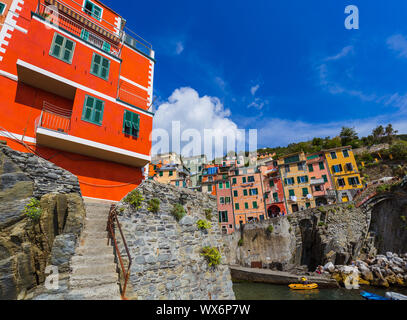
(287, 68)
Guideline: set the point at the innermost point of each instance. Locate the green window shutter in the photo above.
(306, 179)
(275, 196)
(298, 180)
(271, 183)
(235, 193)
(291, 193)
(2, 7)
(245, 192)
(234, 181)
(311, 168)
(321, 166)
(285, 181)
(255, 204)
(325, 178)
(220, 185)
(62, 48)
(87, 112)
(246, 205)
(305, 192)
(237, 206)
(98, 111)
(210, 188)
(308, 205)
(161, 173)
(220, 216)
(97, 12)
(85, 34)
(227, 185)
(100, 67)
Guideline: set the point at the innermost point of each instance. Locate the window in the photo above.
(321, 166)
(131, 123)
(245, 192)
(291, 193)
(184, 184)
(305, 192)
(337, 168)
(220, 185)
(177, 183)
(271, 183)
(349, 167)
(222, 200)
(237, 206)
(223, 216)
(254, 192)
(244, 180)
(93, 110)
(325, 178)
(311, 168)
(353, 181)
(2, 8)
(255, 205)
(275, 197)
(289, 181)
(227, 200)
(301, 167)
(292, 159)
(171, 173)
(234, 181)
(333, 155)
(93, 10)
(235, 193)
(227, 185)
(303, 179)
(250, 179)
(345, 153)
(62, 48)
(341, 182)
(287, 168)
(318, 188)
(210, 188)
(308, 205)
(246, 205)
(100, 66)
(161, 173)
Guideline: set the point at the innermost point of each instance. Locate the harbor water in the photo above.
(260, 291)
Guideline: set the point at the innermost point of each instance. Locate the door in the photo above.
(345, 198)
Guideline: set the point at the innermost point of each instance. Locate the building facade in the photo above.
(296, 182)
(76, 89)
(344, 171)
(174, 174)
(195, 166)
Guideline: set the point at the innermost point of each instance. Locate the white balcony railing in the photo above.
(54, 118)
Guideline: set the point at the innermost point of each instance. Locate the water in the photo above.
(260, 291)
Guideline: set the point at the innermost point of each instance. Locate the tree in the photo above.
(378, 134)
(333, 143)
(390, 134)
(348, 135)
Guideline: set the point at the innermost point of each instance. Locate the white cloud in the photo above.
(344, 52)
(254, 89)
(196, 113)
(258, 103)
(179, 48)
(398, 43)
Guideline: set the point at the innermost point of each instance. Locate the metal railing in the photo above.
(127, 96)
(135, 41)
(85, 28)
(111, 222)
(55, 118)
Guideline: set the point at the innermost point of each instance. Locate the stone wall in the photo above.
(308, 238)
(27, 247)
(167, 261)
(46, 176)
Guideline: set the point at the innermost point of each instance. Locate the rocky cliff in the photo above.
(27, 246)
(167, 254)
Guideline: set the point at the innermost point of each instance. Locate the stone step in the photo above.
(103, 292)
(95, 259)
(99, 243)
(95, 234)
(87, 250)
(100, 269)
(87, 281)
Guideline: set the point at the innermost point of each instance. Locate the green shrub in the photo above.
(153, 205)
(240, 243)
(33, 210)
(383, 188)
(351, 206)
(208, 214)
(270, 229)
(203, 225)
(321, 224)
(290, 230)
(322, 209)
(289, 219)
(212, 255)
(178, 212)
(135, 199)
(403, 218)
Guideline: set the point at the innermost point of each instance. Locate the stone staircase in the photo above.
(94, 271)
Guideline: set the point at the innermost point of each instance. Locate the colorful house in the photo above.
(174, 174)
(296, 182)
(273, 189)
(195, 166)
(344, 172)
(248, 195)
(76, 89)
(322, 187)
(225, 200)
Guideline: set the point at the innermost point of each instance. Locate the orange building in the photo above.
(76, 89)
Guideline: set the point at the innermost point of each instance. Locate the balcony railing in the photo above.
(127, 96)
(54, 118)
(62, 15)
(137, 42)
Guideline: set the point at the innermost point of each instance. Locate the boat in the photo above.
(395, 296)
(372, 296)
(300, 286)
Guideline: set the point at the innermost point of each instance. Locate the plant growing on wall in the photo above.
(135, 199)
(212, 255)
(240, 243)
(178, 212)
(203, 224)
(154, 205)
(208, 214)
(33, 210)
(270, 229)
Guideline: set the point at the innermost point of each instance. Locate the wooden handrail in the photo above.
(112, 236)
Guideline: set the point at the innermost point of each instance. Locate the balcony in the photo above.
(77, 24)
(136, 42)
(317, 182)
(54, 130)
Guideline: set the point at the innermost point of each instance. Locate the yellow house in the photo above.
(175, 175)
(296, 182)
(344, 172)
